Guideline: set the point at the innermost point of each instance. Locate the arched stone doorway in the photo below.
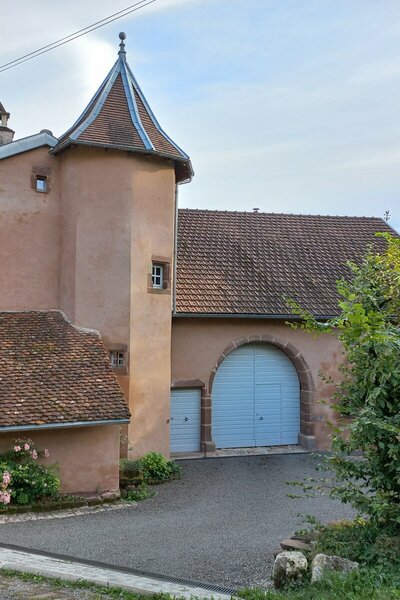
(306, 436)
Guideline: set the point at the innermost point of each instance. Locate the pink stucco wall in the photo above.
(30, 236)
(87, 457)
(87, 247)
(118, 214)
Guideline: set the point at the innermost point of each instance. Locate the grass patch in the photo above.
(375, 548)
(362, 541)
(365, 584)
(106, 592)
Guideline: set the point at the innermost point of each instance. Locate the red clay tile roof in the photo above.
(251, 263)
(52, 372)
(119, 117)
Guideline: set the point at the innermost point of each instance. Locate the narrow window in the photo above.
(116, 358)
(157, 276)
(41, 183)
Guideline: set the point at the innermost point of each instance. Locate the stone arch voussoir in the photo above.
(307, 387)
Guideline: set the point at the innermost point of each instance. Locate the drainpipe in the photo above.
(175, 251)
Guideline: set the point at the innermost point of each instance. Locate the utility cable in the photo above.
(77, 34)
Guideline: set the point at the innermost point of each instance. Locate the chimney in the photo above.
(6, 134)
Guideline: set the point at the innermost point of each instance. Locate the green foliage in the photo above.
(100, 592)
(363, 541)
(357, 585)
(375, 548)
(366, 443)
(157, 469)
(153, 466)
(30, 482)
(142, 492)
(130, 467)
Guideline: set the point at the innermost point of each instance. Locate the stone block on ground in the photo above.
(110, 496)
(293, 544)
(322, 564)
(289, 568)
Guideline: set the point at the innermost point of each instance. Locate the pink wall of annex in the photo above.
(87, 457)
(199, 343)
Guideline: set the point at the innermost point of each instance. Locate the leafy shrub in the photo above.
(369, 393)
(362, 541)
(142, 492)
(363, 584)
(153, 467)
(157, 469)
(5, 494)
(130, 467)
(24, 480)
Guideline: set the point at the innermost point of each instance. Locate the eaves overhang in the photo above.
(288, 316)
(28, 143)
(33, 427)
(183, 167)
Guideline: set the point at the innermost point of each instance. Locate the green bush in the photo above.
(360, 540)
(157, 469)
(365, 584)
(142, 492)
(366, 451)
(29, 482)
(153, 467)
(130, 467)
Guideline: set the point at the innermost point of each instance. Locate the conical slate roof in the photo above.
(119, 117)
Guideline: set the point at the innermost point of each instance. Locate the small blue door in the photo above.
(255, 399)
(185, 420)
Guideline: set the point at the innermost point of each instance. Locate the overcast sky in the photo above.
(285, 105)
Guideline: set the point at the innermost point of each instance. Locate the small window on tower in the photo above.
(157, 276)
(116, 359)
(41, 183)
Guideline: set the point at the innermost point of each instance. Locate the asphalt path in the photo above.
(221, 523)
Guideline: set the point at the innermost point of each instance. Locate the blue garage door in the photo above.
(255, 399)
(185, 420)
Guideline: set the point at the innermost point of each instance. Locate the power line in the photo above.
(77, 34)
(72, 34)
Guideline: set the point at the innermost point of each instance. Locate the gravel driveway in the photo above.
(220, 524)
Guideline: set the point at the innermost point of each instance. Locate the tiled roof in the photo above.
(52, 372)
(251, 263)
(119, 117)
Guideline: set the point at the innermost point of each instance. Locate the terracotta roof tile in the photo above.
(114, 126)
(252, 263)
(53, 372)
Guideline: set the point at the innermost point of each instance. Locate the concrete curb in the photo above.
(64, 513)
(46, 566)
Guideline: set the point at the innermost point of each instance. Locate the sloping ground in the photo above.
(220, 524)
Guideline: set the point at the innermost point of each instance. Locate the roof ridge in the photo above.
(52, 310)
(251, 212)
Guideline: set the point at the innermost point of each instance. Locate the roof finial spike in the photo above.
(122, 37)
